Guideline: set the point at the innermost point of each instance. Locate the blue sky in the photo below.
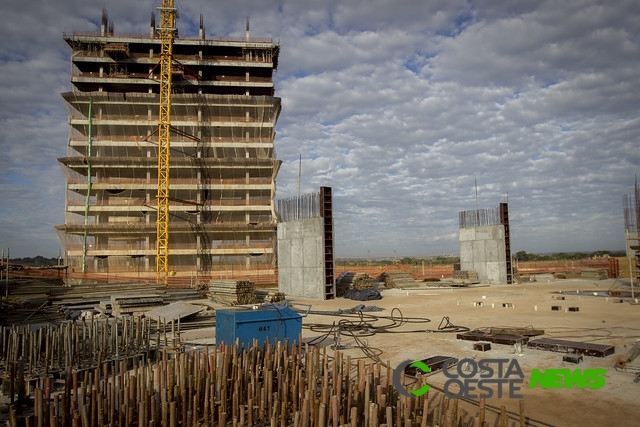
(399, 105)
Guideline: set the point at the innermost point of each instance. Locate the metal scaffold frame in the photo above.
(88, 197)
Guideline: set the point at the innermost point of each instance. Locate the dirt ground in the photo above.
(600, 320)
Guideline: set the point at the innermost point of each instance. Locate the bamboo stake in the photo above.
(305, 413)
(39, 407)
(503, 416)
(335, 410)
(354, 417)
(454, 411)
(173, 416)
(373, 415)
(259, 385)
(425, 411)
(322, 421)
(389, 415)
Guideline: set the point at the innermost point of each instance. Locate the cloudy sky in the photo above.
(400, 105)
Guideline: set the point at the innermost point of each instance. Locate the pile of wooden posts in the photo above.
(593, 273)
(232, 292)
(398, 280)
(267, 386)
(525, 277)
(465, 277)
(269, 295)
(99, 297)
(102, 291)
(357, 280)
(612, 265)
(122, 305)
(39, 300)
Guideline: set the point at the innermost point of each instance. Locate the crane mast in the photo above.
(167, 33)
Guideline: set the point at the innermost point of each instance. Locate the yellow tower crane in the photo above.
(166, 31)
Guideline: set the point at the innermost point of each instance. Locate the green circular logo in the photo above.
(397, 378)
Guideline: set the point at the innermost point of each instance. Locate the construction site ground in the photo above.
(610, 321)
(604, 320)
(600, 320)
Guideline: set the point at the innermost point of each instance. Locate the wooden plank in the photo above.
(507, 339)
(575, 347)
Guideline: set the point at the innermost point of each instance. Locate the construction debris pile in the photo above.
(232, 292)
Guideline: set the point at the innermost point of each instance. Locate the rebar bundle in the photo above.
(306, 206)
(479, 217)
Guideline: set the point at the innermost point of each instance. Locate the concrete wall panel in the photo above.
(482, 249)
(301, 258)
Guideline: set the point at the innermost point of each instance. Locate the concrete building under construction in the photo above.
(485, 245)
(223, 162)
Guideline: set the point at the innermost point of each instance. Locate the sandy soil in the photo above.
(599, 320)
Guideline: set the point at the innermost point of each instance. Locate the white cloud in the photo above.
(400, 106)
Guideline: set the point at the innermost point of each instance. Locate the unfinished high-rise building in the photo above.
(222, 221)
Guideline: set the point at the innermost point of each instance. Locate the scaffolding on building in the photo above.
(223, 161)
(631, 212)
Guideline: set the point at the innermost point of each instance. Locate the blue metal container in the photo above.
(246, 324)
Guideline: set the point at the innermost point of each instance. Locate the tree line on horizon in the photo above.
(525, 256)
(40, 261)
(449, 259)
